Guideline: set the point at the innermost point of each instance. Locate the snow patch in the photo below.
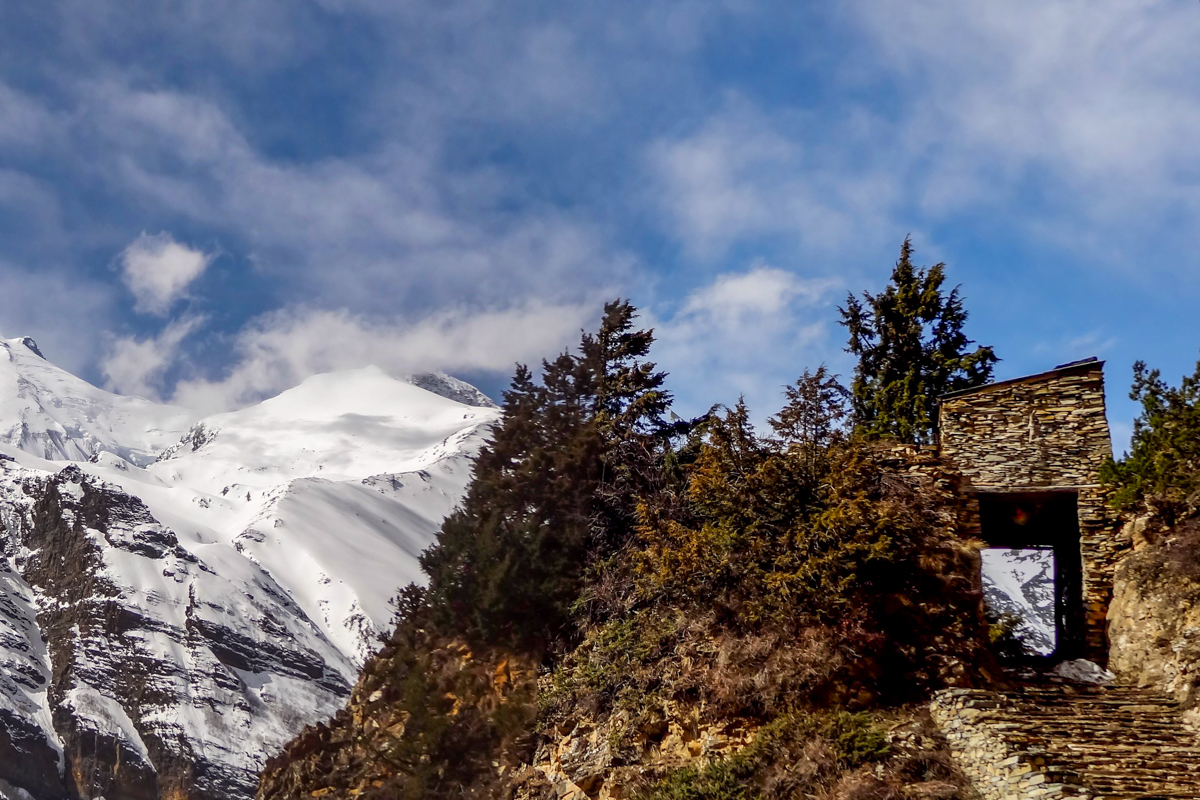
(105, 716)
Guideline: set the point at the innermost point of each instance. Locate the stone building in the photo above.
(1030, 451)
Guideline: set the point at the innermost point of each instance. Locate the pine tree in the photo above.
(1163, 466)
(555, 488)
(812, 421)
(911, 349)
(630, 405)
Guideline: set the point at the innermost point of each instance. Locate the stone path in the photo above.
(1068, 741)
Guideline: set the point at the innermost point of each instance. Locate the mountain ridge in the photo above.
(174, 610)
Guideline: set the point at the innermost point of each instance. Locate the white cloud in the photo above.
(158, 270)
(745, 333)
(743, 174)
(359, 232)
(24, 121)
(1072, 123)
(283, 348)
(136, 366)
(1086, 108)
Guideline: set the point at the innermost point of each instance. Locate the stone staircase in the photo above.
(1070, 741)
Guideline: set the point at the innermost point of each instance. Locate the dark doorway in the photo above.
(1030, 534)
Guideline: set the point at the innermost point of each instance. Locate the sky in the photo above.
(205, 201)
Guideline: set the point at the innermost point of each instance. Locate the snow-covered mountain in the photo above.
(186, 595)
(1020, 583)
(50, 413)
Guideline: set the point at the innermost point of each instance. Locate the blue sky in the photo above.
(204, 202)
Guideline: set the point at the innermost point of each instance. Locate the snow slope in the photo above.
(195, 595)
(50, 413)
(334, 487)
(1021, 583)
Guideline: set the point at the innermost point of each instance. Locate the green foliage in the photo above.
(816, 533)
(653, 565)
(1003, 637)
(553, 489)
(1163, 466)
(850, 740)
(776, 532)
(911, 349)
(812, 421)
(615, 668)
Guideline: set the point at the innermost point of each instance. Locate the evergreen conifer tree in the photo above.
(911, 349)
(812, 421)
(1163, 466)
(555, 487)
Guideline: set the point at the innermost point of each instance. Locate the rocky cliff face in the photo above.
(1154, 619)
(161, 688)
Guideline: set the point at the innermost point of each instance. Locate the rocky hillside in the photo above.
(177, 604)
(1155, 612)
(134, 667)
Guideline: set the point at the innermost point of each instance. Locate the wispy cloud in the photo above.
(373, 169)
(744, 333)
(66, 328)
(280, 349)
(135, 366)
(745, 175)
(1088, 110)
(395, 226)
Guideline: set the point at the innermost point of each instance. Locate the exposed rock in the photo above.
(1154, 620)
(168, 687)
(1080, 670)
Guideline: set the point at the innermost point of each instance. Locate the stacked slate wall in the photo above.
(1047, 432)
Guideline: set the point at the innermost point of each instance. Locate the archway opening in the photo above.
(1032, 569)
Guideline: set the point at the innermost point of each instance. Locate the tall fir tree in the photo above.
(555, 488)
(911, 349)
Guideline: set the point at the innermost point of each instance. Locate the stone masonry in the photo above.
(1043, 433)
(1060, 741)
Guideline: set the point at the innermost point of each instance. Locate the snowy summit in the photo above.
(192, 592)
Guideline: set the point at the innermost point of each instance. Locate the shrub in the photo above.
(860, 554)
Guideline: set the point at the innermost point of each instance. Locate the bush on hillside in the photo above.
(779, 574)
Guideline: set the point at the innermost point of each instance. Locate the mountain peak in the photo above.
(28, 343)
(451, 388)
(52, 414)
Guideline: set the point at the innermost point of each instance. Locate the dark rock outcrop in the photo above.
(132, 669)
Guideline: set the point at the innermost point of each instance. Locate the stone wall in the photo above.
(1045, 432)
(999, 767)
